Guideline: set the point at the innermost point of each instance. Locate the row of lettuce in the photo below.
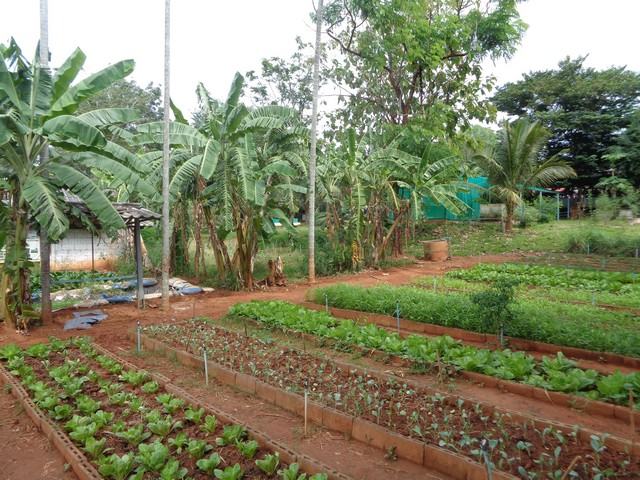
(540, 320)
(552, 373)
(102, 405)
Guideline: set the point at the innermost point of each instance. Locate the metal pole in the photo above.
(138, 337)
(398, 314)
(326, 303)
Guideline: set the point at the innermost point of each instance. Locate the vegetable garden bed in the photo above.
(135, 425)
(391, 323)
(396, 414)
(556, 374)
(558, 324)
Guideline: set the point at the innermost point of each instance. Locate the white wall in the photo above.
(74, 252)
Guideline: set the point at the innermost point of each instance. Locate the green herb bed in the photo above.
(553, 276)
(128, 425)
(552, 373)
(540, 320)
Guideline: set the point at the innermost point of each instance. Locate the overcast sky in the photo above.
(212, 39)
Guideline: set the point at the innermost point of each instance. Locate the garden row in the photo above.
(558, 373)
(548, 276)
(377, 407)
(540, 320)
(129, 425)
(606, 300)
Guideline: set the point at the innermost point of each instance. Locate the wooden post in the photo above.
(137, 240)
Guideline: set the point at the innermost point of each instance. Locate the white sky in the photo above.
(212, 39)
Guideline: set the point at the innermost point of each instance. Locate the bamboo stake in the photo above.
(633, 424)
(306, 396)
(573, 462)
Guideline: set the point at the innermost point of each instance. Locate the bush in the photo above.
(599, 242)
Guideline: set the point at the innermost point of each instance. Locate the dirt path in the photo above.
(334, 450)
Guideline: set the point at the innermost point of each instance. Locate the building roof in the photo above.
(130, 212)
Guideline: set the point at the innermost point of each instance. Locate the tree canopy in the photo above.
(585, 110)
(418, 60)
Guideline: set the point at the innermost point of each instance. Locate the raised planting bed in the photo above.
(124, 423)
(551, 373)
(601, 300)
(399, 416)
(484, 338)
(548, 276)
(540, 320)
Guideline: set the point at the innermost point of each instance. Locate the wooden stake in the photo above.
(633, 423)
(573, 462)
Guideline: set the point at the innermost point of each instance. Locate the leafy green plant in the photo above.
(164, 426)
(194, 416)
(134, 377)
(170, 402)
(494, 306)
(153, 455)
(229, 473)
(116, 467)
(179, 442)
(197, 448)
(210, 424)
(82, 432)
(291, 473)
(209, 465)
(94, 447)
(150, 387)
(86, 404)
(173, 471)
(269, 463)
(134, 435)
(248, 449)
(231, 435)
(9, 351)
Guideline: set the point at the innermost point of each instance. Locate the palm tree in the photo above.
(36, 112)
(312, 147)
(516, 164)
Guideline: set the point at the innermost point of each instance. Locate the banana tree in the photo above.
(238, 166)
(37, 108)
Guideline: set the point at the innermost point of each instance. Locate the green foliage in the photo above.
(134, 435)
(153, 456)
(210, 424)
(116, 467)
(248, 448)
(94, 447)
(383, 50)
(534, 319)
(502, 363)
(197, 448)
(269, 463)
(596, 241)
(494, 305)
(231, 435)
(583, 108)
(208, 465)
(229, 473)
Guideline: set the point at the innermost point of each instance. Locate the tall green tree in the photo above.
(241, 166)
(517, 163)
(624, 154)
(583, 108)
(37, 109)
(404, 61)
